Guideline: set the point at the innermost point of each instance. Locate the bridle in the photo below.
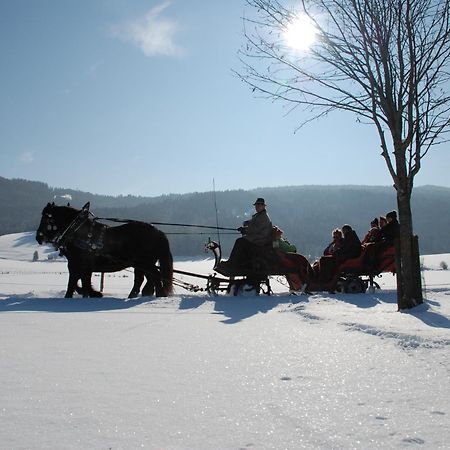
(59, 239)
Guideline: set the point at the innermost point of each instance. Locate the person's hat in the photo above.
(260, 201)
(374, 222)
(391, 215)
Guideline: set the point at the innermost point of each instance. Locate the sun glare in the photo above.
(300, 34)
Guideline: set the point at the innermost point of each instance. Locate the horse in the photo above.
(90, 246)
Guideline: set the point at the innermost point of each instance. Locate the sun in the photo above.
(301, 33)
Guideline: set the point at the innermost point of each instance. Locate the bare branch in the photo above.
(387, 61)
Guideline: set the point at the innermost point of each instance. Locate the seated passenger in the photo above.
(335, 244)
(391, 230)
(351, 245)
(374, 234)
(280, 242)
(257, 233)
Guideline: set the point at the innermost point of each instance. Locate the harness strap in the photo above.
(59, 242)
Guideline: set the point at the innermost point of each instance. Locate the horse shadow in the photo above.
(234, 309)
(30, 303)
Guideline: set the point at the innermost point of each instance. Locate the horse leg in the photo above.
(78, 289)
(86, 286)
(159, 288)
(87, 290)
(72, 284)
(91, 291)
(138, 280)
(149, 288)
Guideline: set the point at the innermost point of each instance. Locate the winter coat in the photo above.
(373, 235)
(258, 229)
(351, 247)
(390, 232)
(333, 247)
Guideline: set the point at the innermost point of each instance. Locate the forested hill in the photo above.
(307, 214)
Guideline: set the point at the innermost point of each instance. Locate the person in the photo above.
(388, 233)
(374, 234)
(280, 242)
(382, 222)
(256, 234)
(391, 230)
(351, 245)
(335, 244)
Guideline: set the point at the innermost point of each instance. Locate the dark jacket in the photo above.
(258, 229)
(390, 232)
(351, 247)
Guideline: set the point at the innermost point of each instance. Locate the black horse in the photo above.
(90, 246)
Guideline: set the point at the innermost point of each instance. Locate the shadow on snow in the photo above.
(234, 309)
(29, 303)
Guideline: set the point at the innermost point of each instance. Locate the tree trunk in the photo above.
(410, 292)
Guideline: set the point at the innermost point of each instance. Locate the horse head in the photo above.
(55, 219)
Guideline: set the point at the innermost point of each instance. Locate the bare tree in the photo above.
(387, 61)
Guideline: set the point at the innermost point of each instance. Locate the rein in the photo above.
(113, 219)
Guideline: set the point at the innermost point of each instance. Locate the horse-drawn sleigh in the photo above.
(91, 246)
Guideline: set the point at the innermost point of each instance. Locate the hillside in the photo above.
(307, 214)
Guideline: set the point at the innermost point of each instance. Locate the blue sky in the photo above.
(138, 97)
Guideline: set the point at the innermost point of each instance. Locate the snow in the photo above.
(195, 371)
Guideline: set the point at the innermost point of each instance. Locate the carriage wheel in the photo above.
(340, 285)
(355, 286)
(244, 288)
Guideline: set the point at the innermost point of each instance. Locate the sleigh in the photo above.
(352, 276)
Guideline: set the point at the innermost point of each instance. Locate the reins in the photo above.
(113, 219)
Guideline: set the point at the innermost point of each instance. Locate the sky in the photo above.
(139, 97)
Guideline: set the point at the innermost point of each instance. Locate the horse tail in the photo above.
(166, 268)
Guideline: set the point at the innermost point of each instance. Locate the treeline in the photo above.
(307, 214)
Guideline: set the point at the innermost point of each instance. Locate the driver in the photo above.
(256, 234)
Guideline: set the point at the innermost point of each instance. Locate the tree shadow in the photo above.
(422, 312)
(431, 318)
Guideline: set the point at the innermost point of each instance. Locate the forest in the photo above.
(306, 214)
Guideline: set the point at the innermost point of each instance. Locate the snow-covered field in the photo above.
(199, 372)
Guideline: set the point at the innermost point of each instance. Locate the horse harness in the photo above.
(91, 242)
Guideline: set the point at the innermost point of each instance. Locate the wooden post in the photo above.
(417, 278)
(398, 273)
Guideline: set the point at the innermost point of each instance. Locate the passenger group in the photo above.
(259, 235)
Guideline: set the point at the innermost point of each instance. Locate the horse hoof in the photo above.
(96, 294)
